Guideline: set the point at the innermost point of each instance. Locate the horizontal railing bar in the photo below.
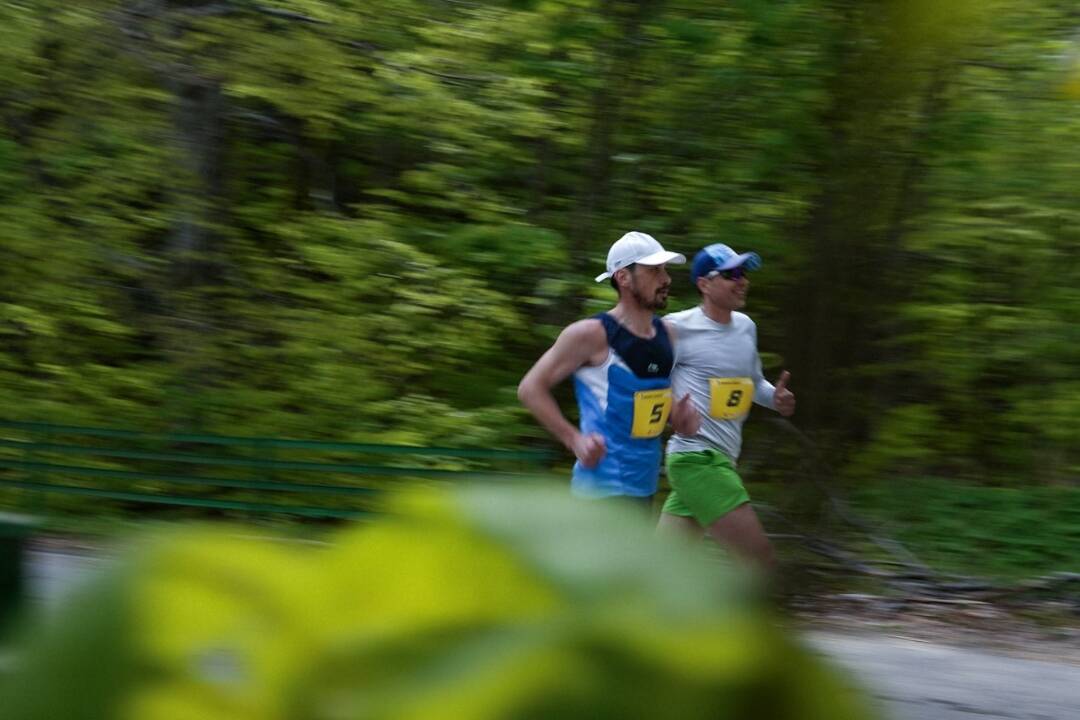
(188, 501)
(211, 461)
(186, 479)
(532, 455)
(456, 475)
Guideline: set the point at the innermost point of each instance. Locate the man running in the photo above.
(718, 365)
(621, 362)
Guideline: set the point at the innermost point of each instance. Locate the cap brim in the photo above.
(657, 258)
(664, 256)
(751, 260)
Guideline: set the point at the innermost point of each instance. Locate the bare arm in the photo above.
(582, 343)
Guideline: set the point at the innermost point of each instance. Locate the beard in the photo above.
(657, 302)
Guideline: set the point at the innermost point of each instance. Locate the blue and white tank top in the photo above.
(627, 400)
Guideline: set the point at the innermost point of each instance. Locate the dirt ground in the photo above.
(1047, 630)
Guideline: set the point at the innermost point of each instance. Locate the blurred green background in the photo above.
(363, 220)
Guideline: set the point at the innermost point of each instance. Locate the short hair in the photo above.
(614, 283)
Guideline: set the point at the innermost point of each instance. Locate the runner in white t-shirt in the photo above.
(717, 363)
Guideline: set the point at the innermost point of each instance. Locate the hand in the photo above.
(589, 449)
(784, 399)
(685, 418)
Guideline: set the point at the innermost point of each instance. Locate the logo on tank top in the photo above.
(654, 368)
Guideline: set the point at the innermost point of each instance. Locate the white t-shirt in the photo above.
(718, 365)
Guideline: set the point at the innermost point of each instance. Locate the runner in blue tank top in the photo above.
(621, 362)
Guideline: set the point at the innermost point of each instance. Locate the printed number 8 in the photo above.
(657, 413)
(734, 398)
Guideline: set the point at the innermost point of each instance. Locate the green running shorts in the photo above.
(704, 486)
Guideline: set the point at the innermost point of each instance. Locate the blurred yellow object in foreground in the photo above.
(473, 603)
(1070, 87)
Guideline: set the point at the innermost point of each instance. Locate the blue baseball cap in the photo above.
(720, 257)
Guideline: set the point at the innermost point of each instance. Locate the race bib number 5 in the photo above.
(651, 409)
(730, 398)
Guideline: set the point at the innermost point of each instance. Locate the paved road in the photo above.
(912, 680)
(52, 575)
(926, 681)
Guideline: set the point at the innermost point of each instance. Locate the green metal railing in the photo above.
(43, 463)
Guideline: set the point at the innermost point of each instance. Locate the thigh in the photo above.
(739, 522)
(741, 530)
(679, 526)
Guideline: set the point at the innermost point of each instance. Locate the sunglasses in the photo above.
(735, 273)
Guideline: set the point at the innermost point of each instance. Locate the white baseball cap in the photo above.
(637, 247)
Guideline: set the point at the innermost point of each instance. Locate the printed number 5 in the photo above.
(734, 398)
(657, 413)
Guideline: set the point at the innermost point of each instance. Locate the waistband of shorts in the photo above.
(713, 455)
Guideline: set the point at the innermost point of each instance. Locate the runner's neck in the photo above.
(637, 320)
(716, 314)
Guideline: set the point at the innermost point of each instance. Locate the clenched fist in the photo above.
(784, 399)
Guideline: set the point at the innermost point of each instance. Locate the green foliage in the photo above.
(454, 605)
(365, 220)
(1009, 533)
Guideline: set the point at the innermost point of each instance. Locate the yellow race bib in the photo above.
(651, 409)
(730, 398)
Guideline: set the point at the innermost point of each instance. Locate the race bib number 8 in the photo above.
(651, 409)
(730, 398)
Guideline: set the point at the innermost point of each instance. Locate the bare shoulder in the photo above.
(585, 341)
(580, 343)
(584, 330)
(586, 337)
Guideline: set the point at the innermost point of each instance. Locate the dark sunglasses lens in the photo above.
(733, 274)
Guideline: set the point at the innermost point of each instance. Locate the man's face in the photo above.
(649, 286)
(726, 290)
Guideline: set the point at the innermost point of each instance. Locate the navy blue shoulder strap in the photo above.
(661, 330)
(646, 357)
